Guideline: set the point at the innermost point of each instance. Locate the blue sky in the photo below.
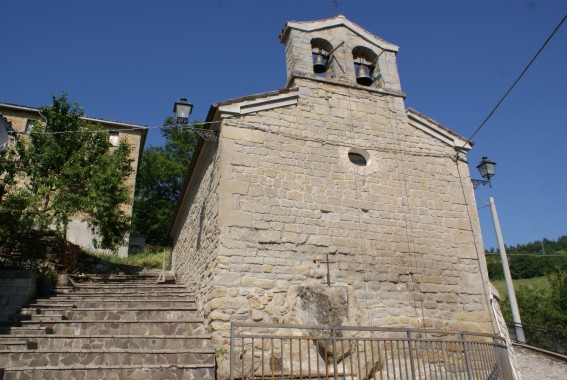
(130, 60)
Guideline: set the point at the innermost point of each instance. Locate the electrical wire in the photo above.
(164, 127)
(485, 281)
(485, 204)
(241, 124)
(341, 143)
(516, 81)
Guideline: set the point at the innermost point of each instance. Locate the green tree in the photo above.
(533, 304)
(20, 240)
(161, 175)
(558, 295)
(66, 170)
(544, 308)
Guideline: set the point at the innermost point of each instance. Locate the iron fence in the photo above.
(276, 351)
(548, 339)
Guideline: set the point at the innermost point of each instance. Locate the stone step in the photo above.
(13, 344)
(98, 276)
(120, 289)
(90, 358)
(126, 285)
(147, 283)
(43, 311)
(72, 300)
(132, 342)
(37, 317)
(133, 314)
(128, 303)
(123, 283)
(130, 372)
(70, 297)
(127, 292)
(25, 330)
(53, 304)
(121, 327)
(124, 327)
(115, 279)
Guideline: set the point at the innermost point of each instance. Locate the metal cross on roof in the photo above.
(336, 5)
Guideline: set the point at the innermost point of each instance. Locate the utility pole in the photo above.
(507, 276)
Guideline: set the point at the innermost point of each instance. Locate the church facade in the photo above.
(330, 189)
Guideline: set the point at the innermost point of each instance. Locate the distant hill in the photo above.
(529, 260)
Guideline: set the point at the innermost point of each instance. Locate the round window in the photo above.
(357, 159)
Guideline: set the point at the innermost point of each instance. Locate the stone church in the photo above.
(328, 202)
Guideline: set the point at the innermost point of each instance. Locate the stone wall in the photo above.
(503, 332)
(18, 119)
(195, 251)
(402, 233)
(17, 287)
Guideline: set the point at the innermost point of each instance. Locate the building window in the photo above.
(29, 125)
(359, 157)
(113, 138)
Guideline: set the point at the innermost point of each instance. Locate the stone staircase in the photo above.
(108, 327)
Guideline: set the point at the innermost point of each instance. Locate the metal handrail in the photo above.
(237, 324)
(267, 351)
(541, 337)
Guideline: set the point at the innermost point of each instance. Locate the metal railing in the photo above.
(547, 339)
(276, 351)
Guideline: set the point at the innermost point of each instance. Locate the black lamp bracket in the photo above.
(478, 182)
(205, 134)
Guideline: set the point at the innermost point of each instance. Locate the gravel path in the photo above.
(537, 366)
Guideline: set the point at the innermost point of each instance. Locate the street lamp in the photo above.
(487, 170)
(182, 110)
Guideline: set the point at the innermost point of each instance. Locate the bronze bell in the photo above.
(363, 75)
(319, 64)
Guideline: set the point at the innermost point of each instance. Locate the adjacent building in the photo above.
(21, 119)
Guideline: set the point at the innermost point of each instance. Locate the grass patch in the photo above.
(533, 283)
(151, 258)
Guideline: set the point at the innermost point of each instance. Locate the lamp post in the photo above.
(182, 110)
(487, 170)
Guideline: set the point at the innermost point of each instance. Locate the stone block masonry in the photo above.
(280, 194)
(330, 181)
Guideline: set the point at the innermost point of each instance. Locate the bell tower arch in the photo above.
(337, 50)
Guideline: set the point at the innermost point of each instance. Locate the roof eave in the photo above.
(36, 110)
(211, 117)
(310, 26)
(430, 126)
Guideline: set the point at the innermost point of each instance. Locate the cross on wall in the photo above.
(327, 263)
